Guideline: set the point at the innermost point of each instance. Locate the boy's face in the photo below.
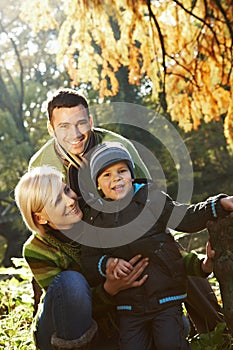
(71, 128)
(115, 181)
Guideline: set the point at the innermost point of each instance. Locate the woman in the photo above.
(50, 209)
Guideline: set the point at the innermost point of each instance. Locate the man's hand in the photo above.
(208, 263)
(114, 285)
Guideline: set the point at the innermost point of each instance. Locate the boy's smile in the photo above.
(115, 181)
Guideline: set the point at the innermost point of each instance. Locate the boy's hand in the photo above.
(227, 203)
(208, 263)
(122, 269)
(113, 285)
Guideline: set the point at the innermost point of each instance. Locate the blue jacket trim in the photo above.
(213, 207)
(172, 298)
(100, 266)
(137, 187)
(124, 307)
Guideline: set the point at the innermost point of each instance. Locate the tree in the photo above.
(27, 71)
(184, 49)
(221, 237)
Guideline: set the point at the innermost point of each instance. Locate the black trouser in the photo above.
(161, 330)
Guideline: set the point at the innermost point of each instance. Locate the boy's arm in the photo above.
(94, 262)
(190, 218)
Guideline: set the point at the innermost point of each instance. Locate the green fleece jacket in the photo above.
(48, 155)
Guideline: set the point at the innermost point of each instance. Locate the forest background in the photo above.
(171, 57)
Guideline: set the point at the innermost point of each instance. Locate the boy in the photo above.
(149, 313)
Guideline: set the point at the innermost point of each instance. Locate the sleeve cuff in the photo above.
(217, 209)
(102, 265)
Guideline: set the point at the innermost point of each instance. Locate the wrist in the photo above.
(109, 288)
(109, 261)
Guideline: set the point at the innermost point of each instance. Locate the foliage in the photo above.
(212, 160)
(2, 246)
(16, 308)
(175, 54)
(184, 48)
(16, 314)
(27, 72)
(218, 339)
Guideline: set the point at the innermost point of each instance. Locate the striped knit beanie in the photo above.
(106, 154)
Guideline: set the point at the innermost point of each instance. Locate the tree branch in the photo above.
(162, 95)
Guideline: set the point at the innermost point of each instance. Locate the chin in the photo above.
(76, 152)
(120, 196)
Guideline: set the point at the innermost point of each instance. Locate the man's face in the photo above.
(71, 128)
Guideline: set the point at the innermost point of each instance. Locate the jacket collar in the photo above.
(103, 204)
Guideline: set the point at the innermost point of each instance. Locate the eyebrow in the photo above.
(119, 168)
(79, 122)
(59, 195)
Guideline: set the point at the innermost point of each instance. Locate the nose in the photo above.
(75, 132)
(70, 199)
(116, 176)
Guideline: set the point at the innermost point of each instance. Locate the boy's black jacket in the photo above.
(167, 275)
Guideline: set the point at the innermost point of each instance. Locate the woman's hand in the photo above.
(114, 285)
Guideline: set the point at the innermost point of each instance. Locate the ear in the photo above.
(40, 219)
(91, 122)
(50, 129)
(98, 186)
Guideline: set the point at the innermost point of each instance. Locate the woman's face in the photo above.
(63, 212)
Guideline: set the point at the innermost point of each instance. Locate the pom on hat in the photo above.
(106, 154)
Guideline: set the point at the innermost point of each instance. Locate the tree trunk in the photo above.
(221, 239)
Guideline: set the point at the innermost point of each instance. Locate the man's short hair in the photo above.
(65, 98)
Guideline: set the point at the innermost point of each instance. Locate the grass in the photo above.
(16, 310)
(16, 300)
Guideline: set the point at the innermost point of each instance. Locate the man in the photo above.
(73, 135)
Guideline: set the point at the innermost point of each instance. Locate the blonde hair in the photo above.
(33, 191)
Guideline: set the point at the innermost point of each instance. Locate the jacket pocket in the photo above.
(168, 257)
